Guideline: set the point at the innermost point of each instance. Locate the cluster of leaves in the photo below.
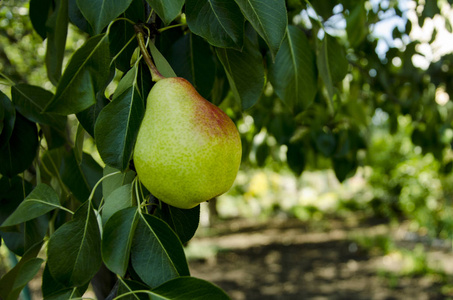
(252, 57)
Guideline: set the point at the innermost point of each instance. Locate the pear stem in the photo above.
(155, 74)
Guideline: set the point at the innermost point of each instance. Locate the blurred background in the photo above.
(352, 205)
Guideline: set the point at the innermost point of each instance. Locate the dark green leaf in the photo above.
(30, 101)
(89, 116)
(53, 290)
(118, 123)
(86, 74)
(332, 63)
(73, 250)
(113, 182)
(167, 10)
(191, 58)
(100, 13)
(268, 18)
(21, 237)
(40, 201)
(12, 192)
(119, 199)
(15, 280)
(183, 221)
(9, 118)
(356, 26)
(262, 153)
(156, 247)
(78, 145)
(219, 22)
(295, 156)
(326, 143)
(39, 12)
(20, 151)
(122, 33)
(57, 30)
(245, 70)
(188, 288)
(294, 75)
(76, 17)
(81, 178)
(344, 167)
(117, 239)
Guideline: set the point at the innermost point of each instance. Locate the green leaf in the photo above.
(244, 70)
(344, 167)
(167, 10)
(221, 23)
(127, 286)
(39, 202)
(356, 26)
(326, 143)
(76, 17)
(332, 63)
(117, 239)
(12, 192)
(120, 34)
(80, 178)
(21, 237)
(191, 58)
(89, 116)
(12, 283)
(9, 118)
(161, 63)
(188, 288)
(119, 199)
(295, 156)
(57, 30)
(73, 250)
(156, 247)
(269, 18)
(183, 221)
(53, 290)
(117, 125)
(100, 13)
(30, 101)
(39, 13)
(86, 74)
(113, 182)
(20, 151)
(294, 75)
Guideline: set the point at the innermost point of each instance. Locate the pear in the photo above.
(188, 150)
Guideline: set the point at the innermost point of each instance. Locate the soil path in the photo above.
(286, 260)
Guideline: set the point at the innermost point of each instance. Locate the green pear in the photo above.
(188, 150)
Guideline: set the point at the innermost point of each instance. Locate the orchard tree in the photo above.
(307, 75)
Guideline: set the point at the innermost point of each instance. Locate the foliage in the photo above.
(302, 89)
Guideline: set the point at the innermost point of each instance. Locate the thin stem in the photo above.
(155, 74)
(170, 27)
(99, 182)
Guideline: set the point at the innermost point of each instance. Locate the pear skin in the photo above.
(188, 150)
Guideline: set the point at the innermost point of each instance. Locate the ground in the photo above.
(285, 259)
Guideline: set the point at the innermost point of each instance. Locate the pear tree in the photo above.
(104, 166)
